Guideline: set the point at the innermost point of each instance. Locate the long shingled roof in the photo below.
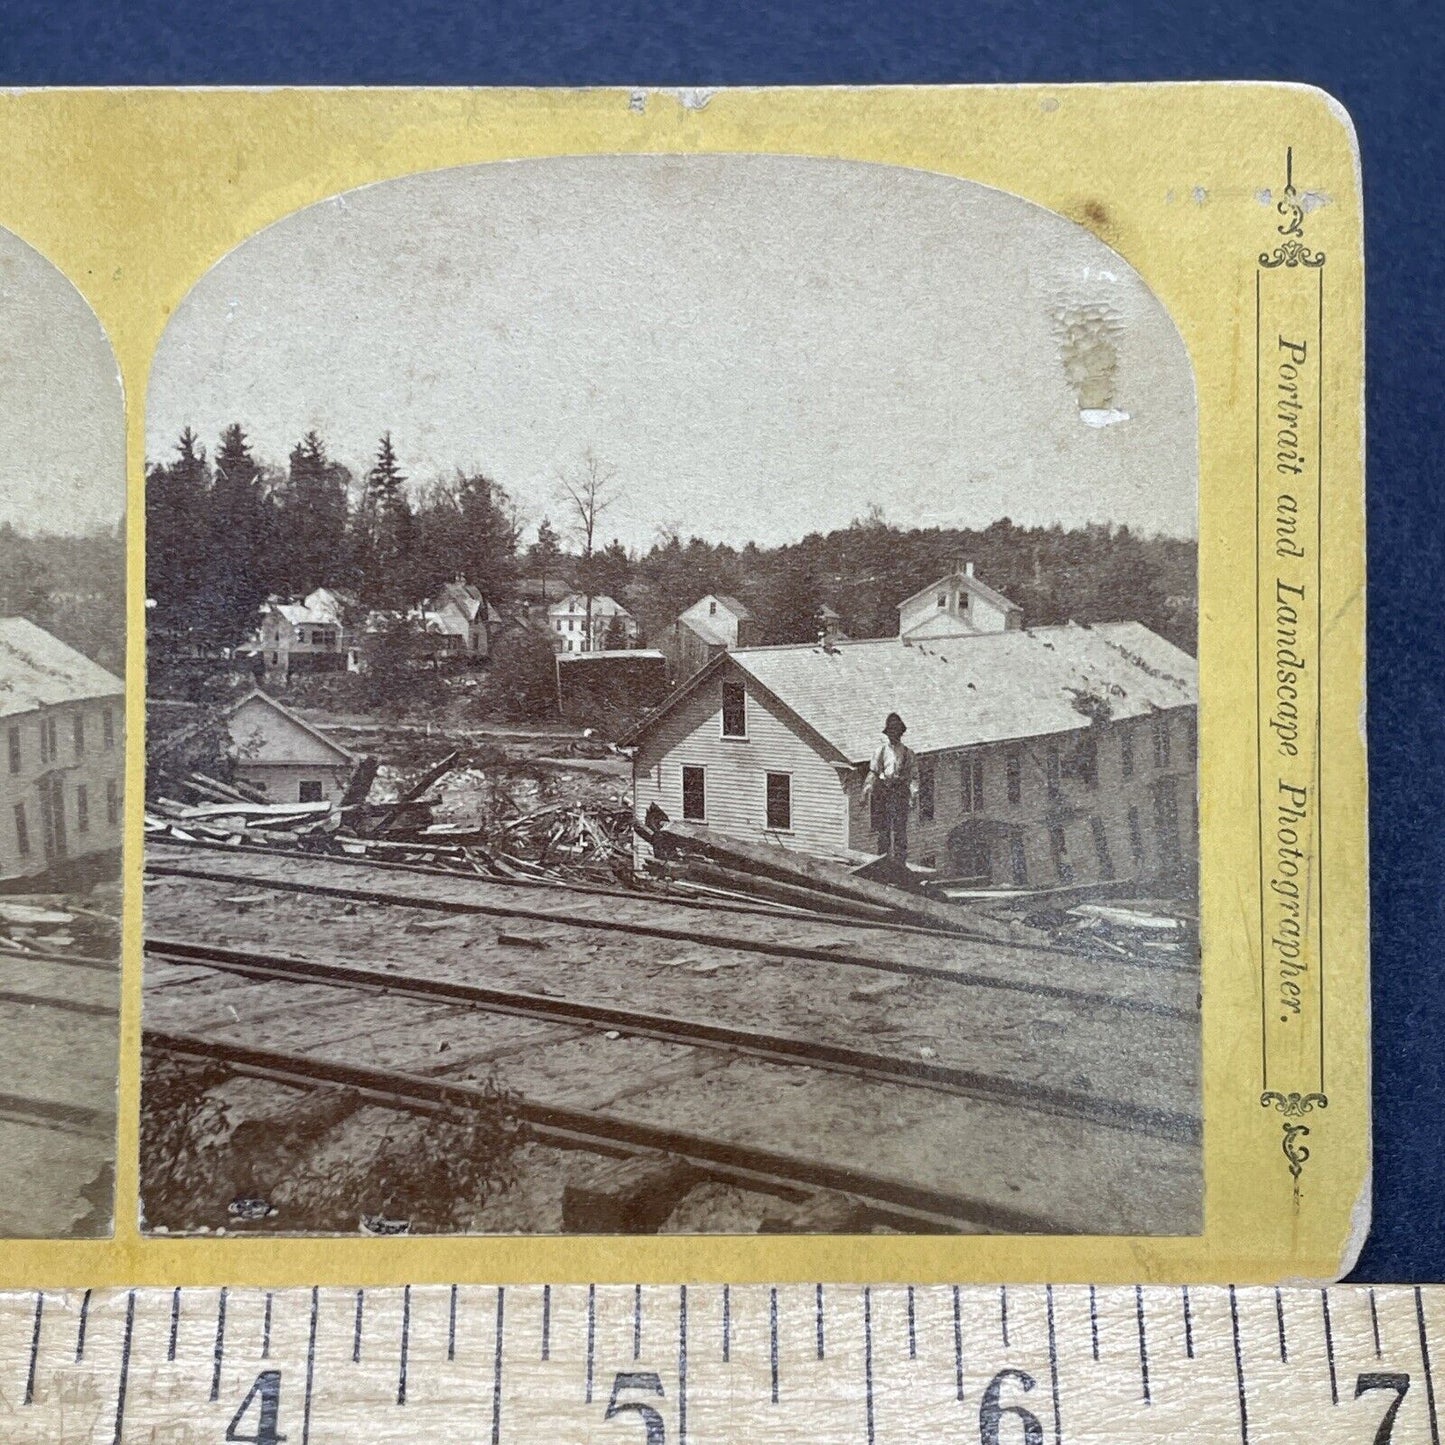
(959, 691)
(38, 670)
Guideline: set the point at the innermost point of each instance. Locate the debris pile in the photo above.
(48, 925)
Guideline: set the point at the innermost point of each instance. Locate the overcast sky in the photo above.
(758, 347)
(62, 422)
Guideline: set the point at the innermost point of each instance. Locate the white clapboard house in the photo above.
(283, 755)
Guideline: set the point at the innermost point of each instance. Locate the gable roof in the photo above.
(256, 695)
(602, 605)
(971, 584)
(38, 670)
(962, 691)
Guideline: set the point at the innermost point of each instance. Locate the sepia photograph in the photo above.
(671, 705)
(62, 713)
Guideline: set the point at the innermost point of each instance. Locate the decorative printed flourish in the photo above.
(1294, 1105)
(1291, 252)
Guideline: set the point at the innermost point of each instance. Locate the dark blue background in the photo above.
(1383, 60)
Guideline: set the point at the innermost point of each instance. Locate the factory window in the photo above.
(1191, 737)
(1136, 839)
(22, 830)
(734, 710)
(82, 808)
(1161, 740)
(971, 783)
(925, 789)
(1051, 770)
(1060, 847)
(780, 802)
(1019, 860)
(1166, 822)
(1126, 751)
(694, 794)
(78, 732)
(310, 791)
(107, 729)
(14, 750)
(1101, 848)
(1086, 761)
(1015, 774)
(112, 802)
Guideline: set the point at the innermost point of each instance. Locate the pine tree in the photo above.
(239, 534)
(311, 516)
(177, 535)
(386, 532)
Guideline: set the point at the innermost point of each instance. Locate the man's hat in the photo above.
(893, 723)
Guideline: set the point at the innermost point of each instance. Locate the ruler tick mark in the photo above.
(80, 1331)
(266, 1330)
(1054, 1366)
(1188, 1325)
(1003, 1313)
(1425, 1361)
(310, 1370)
(591, 1337)
(497, 1376)
(636, 1321)
(1143, 1343)
(957, 1345)
(1094, 1323)
(1239, 1367)
(1330, 1346)
(773, 1338)
(34, 1348)
(1375, 1323)
(727, 1324)
(356, 1328)
(868, 1358)
(819, 1299)
(405, 1344)
(175, 1323)
(218, 1352)
(452, 1325)
(912, 1329)
(124, 1368)
(546, 1321)
(1279, 1322)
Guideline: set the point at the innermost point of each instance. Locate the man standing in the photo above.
(893, 776)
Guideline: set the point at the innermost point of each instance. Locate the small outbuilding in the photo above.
(283, 755)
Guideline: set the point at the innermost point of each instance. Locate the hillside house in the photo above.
(296, 638)
(283, 755)
(957, 605)
(613, 626)
(1047, 757)
(64, 759)
(715, 623)
(461, 615)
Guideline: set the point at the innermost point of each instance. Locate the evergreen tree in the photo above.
(386, 533)
(311, 516)
(239, 534)
(545, 554)
(177, 502)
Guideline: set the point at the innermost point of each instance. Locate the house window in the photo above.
(1086, 761)
(22, 831)
(571, 624)
(925, 789)
(318, 639)
(1161, 740)
(14, 750)
(970, 783)
(1126, 751)
(1060, 848)
(735, 711)
(1018, 859)
(1136, 839)
(1051, 770)
(694, 794)
(82, 808)
(44, 742)
(1101, 847)
(275, 659)
(1015, 769)
(943, 599)
(780, 802)
(712, 609)
(107, 729)
(112, 802)
(78, 731)
(310, 791)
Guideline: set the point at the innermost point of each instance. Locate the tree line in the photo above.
(72, 586)
(227, 531)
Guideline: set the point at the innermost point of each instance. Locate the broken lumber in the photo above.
(752, 885)
(789, 866)
(359, 788)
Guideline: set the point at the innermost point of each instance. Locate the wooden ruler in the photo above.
(668, 1365)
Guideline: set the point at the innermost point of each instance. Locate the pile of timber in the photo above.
(797, 880)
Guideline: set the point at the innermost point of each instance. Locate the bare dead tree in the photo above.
(587, 492)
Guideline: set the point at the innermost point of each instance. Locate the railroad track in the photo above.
(884, 1199)
(691, 1033)
(1129, 990)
